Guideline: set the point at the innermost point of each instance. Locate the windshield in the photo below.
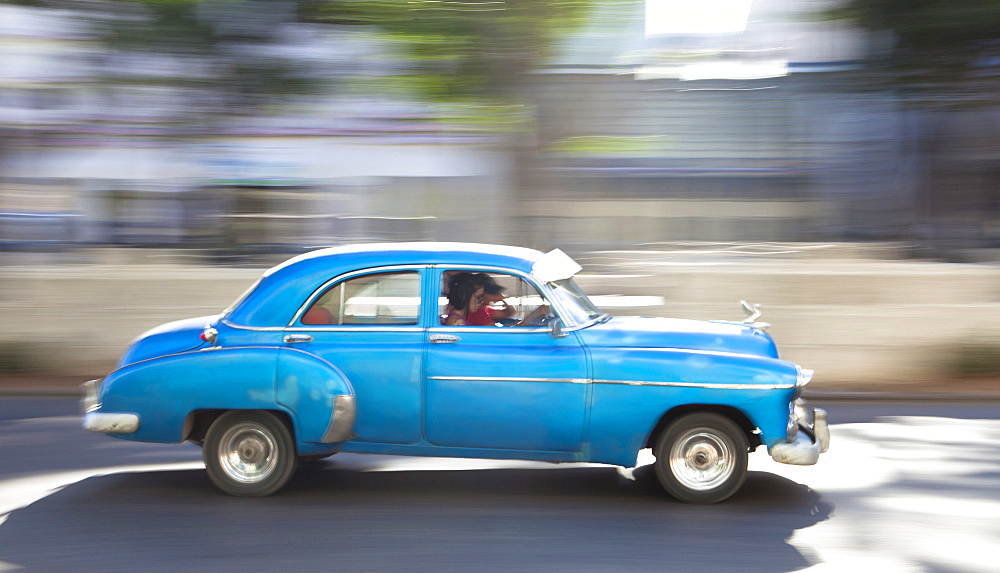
(571, 298)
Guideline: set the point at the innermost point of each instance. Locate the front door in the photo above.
(513, 387)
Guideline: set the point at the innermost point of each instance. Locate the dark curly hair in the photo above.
(460, 290)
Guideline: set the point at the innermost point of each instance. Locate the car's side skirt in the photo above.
(428, 450)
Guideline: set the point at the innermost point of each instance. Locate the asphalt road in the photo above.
(905, 487)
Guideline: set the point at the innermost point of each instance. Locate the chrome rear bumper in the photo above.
(104, 422)
(109, 423)
(812, 439)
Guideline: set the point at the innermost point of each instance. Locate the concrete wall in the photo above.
(856, 321)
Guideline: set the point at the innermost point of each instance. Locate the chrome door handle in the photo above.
(444, 338)
(294, 338)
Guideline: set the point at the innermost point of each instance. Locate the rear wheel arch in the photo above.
(198, 422)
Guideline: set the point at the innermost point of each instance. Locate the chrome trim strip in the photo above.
(354, 328)
(209, 349)
(403, 328)
(327, 328)
(342, 421)
(710, 385)
(252, 328)
(109, 423)
(509, 379)
(699, 352)
(489, 329)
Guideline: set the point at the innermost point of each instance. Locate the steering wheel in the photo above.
(541, 320)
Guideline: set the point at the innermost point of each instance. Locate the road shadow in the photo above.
(332, 518)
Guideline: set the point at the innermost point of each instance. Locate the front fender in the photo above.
(635, 388)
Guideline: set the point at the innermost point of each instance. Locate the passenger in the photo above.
(318, 315)
(465, 296)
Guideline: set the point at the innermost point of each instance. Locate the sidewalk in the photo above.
(973, 390)
(970, 390)
(42, 386)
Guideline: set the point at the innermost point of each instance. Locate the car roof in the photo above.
(283, 288)
(414, 253)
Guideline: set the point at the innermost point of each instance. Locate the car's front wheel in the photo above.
(249, 453)
(702, 458)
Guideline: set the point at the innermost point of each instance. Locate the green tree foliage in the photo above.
(936, 41)
(218, 47)
(463, 48)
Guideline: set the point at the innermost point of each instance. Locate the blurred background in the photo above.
(837, 162)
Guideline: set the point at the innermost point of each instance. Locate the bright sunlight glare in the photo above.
(704, 17)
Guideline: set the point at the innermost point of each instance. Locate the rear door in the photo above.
(367, 324)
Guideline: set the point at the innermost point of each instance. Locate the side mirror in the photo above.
(556, 327)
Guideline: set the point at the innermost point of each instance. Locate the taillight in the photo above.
(209, 335)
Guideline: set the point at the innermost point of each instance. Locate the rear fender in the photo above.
(318, 394)
(163, 391)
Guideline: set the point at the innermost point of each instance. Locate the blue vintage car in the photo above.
(373, 349)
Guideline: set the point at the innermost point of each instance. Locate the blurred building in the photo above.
(101, 147)
(772, 132)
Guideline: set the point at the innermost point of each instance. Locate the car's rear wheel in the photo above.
(249, 453)
(702, 458)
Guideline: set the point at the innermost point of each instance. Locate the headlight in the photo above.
(802, 377)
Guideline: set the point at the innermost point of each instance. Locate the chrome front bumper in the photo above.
(812, 438)
(104, 422)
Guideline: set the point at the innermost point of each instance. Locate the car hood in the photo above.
(169, 338)
(647, 332)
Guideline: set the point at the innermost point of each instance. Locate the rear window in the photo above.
(373, 299)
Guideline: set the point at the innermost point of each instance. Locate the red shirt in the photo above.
(482, 317)
(318, 315)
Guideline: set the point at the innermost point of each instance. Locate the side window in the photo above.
(493, 299)
(380, 298)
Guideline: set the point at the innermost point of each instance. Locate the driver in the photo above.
(495, 309)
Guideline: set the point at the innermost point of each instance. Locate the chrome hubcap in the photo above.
(702, 460)
(247, 453)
